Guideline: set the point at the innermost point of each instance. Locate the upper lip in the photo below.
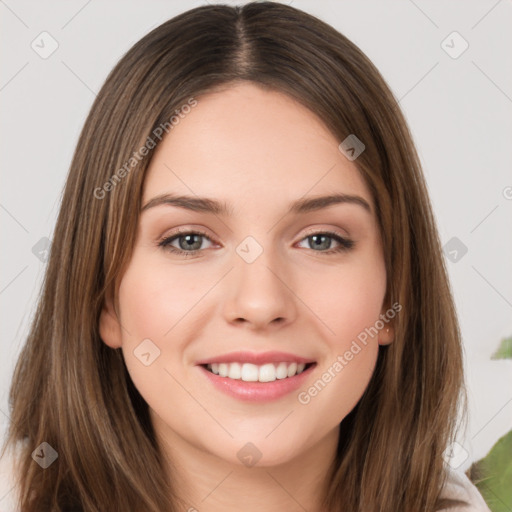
(256, 358)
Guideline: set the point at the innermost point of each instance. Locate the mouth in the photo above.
(249, 372)
(257, 377)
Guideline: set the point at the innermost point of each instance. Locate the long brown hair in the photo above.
(73, 392)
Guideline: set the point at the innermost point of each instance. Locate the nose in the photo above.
(260, 294)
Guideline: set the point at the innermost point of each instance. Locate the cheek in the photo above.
(154, 303)
(348, 300)
(154, 299)
(350, 306)
(340, 384)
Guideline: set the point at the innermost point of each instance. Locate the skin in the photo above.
(258, 151)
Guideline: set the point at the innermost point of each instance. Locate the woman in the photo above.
(246, 304)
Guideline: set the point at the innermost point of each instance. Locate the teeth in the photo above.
(282, 371)
(267, 373)
(223, 370)
(253, 373)
(249, 372)
(235, 371)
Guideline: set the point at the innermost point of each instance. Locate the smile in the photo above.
(257, 373)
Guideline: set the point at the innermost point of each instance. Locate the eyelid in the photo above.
(332, 231)
(344, 243)
(200, 231)
(186, 231)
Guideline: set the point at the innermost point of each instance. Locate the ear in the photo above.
(110, 326)
(386, 334)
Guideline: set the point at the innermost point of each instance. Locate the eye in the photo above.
(189, 242)
(322, 240)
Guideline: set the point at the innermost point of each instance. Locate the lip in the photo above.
(256, 358)
(257, 391)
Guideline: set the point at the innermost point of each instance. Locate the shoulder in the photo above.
(9, 479)
(459, 488)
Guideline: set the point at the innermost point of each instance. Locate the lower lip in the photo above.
(258, 391)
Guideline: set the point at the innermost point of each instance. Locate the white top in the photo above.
(457, 487)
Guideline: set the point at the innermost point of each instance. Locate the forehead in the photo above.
(249, 146)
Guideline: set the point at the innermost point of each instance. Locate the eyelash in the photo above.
(344, 243)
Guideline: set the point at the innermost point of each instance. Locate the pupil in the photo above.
(190, 241)
(319, 243)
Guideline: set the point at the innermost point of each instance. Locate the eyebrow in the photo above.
(206, 205)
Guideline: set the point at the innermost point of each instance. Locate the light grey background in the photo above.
(459, 110)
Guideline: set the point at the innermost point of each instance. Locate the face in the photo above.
(231, 319)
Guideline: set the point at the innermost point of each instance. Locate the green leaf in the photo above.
(505, 350)
(493, 475)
